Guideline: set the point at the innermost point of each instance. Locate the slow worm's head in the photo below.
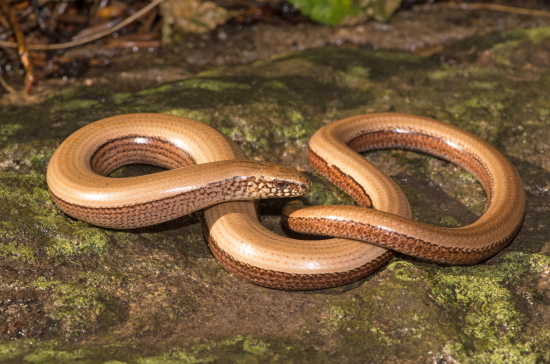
(276, 181)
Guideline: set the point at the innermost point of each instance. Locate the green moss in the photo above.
(406, 271)
(17, 349)
(229, 349)
(449, 221)
(483, 108)
(212, 84)
(541, 341)
(300, 128)
(440, 74)
(330, 12)
(53, 356)
(537, 35)
(8, 130)
(78, 308)
(504, 355)
(259, 136)
(383, 338)
(190, 114)
(255, 346)
(513, 268)
(174, 357)
(12, 249)
(476, 301)
(248, 344)
(323, 192)
(27, 198)
(85, 240)
(163, 89)
(9, 350)
(249, 137)
(486, 103)
(334, 320)
(516, 39)
(102, 279)
(390, 316)
(297, 118)
(76, 104)
(540, 263)
(275, 85)
(122, 97)
(488, 309)
(485, 85)
(354, 76)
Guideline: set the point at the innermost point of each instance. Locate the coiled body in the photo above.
(333, 151)
(237, 239)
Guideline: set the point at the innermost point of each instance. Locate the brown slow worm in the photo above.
(77, 184)
(333, 151)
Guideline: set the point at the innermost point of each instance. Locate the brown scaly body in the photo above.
(236, 237)
(77, 183)
(465, 245)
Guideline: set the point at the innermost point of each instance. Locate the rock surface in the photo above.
(71, 292)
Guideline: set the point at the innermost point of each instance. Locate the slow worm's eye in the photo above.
(280, 184)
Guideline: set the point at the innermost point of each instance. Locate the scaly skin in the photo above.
(236, 237)
(77, 183)
(333, 151)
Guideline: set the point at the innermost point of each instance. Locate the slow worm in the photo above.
(77, 183)
(333, 151)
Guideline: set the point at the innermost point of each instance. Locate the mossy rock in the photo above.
(71, 292)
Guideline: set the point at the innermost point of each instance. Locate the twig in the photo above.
(483, 6)
(148, 22)
(21, 47)
(90, 38)
(91, 31)
(3, 21)
(8, 88)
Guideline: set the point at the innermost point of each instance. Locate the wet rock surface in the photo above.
(71, 292)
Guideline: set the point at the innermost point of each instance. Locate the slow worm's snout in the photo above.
(280, 181)
(295, 184)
